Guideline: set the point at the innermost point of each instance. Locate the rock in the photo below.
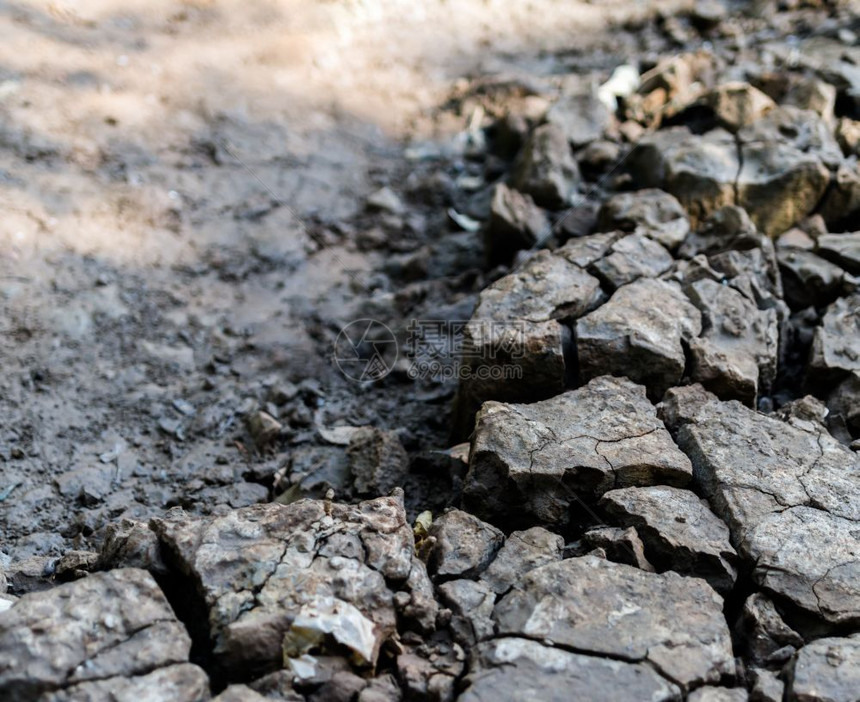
(313, 471)
(679, 531)
(815, 95)
(344, 686)
(326, 617)
(239, 693)
(800, 557)
(381, 689)
(736, 355)
(848, 136)
(789, 496)
(464, 545)
(30, 574)
(755, 274)
(586, 250)
(581, 117)
(264, 428)
(795, 238)
(386, 200)
(807, 413)
(766, 686)
(779, 185)
(174, 683)
(105, 627)
(840, 206)
(718, 694)
(430, 671)
(842, 249)
(579, 221)
(700, 171)
(471, 603)
(786, 156)
(515, 223)
(618, 545)
(279, 685)
(277, 579)
(632, 257)
(514, 346)
(377, 460)
(602, 608)
(598, 158)
(532, 462)
(514, 668)
(727, 229)
(131, 544)
(522, 551)
(807, 279)
(546, 169)
(776, 168)
(768, 640)
(75, 564)
(836, 345)
(708, 14)
(737, 105)
(802, 130)
(631, 131)
(844, 404)
(651, 212)
(639, 333)
(419, 609)
(827, 669)
(89, 485)
(676, 82)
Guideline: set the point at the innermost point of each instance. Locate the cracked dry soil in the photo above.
(616, 456)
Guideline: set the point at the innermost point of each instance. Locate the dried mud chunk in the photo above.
(630, 258)
(808, 279)
(842, 249)
(107, 625)
(698, 170)
(513, 668)
(736, 354)
(465, 545)
(827, 670)
(545, 168)
(679, 531)
(836, 345)
(651, 212)
(640, 334)
(517, 344)
(768, 639)
(175, 683)
(581, 117)
(312, 571)
(789, 494)
(377, 460)
(523, 551)
(515, 223)
(779, 185)
(602, 608)
(534, 462)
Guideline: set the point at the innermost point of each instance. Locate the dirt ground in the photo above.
(184, 230)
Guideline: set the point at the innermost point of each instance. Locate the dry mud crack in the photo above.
(617, 453)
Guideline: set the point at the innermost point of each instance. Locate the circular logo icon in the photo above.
(365, 350)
